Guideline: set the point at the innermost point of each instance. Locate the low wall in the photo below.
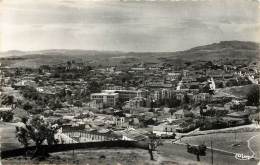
(66, 147)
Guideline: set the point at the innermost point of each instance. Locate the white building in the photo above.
(108, 99)
(120, 122)
(126, 95)
(173, 76)
(164, 129)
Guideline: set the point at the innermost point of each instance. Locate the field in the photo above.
(8, 139)
(237, 91)
(231, 142)
(178, 153)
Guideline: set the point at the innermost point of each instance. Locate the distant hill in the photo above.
(12, 53)
(222, 50)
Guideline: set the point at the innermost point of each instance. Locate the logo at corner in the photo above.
(239, 156)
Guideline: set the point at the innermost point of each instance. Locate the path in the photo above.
(249, 143)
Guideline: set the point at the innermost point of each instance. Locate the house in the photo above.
(5, 109)
(134, 122)
(193, 85)
(201, 97)
(24, 83)
(96, 105)
(138, 69)
(164, 129)
(165, 93)
(137, 102)
(173, 76)
(114, 87)
(46, 90)
(180, 96)
(190, 96)
(120, 122)
(228, 105)
(157, 95)
(182, 113)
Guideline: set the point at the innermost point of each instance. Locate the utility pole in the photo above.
(258, 111)
(73, 151)
(235, 137)
(211, 152)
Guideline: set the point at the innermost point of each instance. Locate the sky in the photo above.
(125, 26)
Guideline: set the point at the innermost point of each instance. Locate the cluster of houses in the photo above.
(161, 98)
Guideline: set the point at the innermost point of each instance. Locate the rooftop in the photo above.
(123, 90)
(105, 94)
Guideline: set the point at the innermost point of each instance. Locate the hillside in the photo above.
(238, 50)
(221, 50)
(237, 91)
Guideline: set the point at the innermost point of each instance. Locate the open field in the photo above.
(178, 153)
(237, 91)
(226, 141)
(8, 138)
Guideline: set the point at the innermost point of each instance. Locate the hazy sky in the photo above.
(125, 26)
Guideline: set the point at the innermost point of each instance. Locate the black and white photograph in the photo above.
(130, 82)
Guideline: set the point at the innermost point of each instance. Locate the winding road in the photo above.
(249, 143)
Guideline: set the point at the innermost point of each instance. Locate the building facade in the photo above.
(108, 99)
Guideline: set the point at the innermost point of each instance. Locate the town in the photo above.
(122, 82)
(167, 101)
(134, 101)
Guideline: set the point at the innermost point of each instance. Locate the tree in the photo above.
(253, 96)
(172, 111)
(120, 103)
(27, 106)
(37, 130)
(7, 116)
(209, 64)
(186, 99)
(238, 107)
(77, 103)
(94, 87)
(174, 102)
(30, 93)
(22, 134)
(197, 150)
(55, 104)
(69, 63)
(8, 100)
(152, 105)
